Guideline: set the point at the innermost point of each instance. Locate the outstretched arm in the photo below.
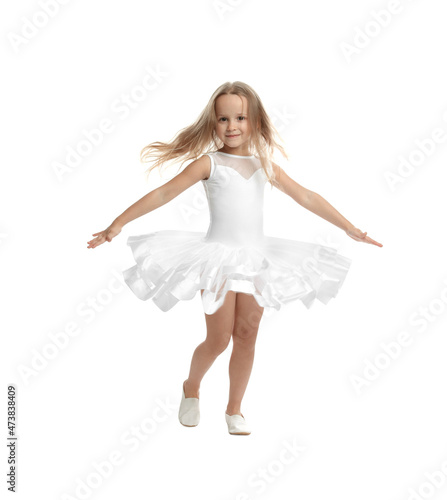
(194, 172)
(318, 205)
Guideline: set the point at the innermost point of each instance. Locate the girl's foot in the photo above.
(230, 413)
(237, 424)
(189, 411)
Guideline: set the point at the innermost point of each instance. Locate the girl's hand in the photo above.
(106, 235)
(358, 235)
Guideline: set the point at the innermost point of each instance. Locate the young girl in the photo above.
(238, 270)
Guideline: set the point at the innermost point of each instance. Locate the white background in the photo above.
(346, 122)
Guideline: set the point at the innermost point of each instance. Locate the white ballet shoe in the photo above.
(189, 411)
(237, 424)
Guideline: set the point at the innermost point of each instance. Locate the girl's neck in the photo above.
(235, 153)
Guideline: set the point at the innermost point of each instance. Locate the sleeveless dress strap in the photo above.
(213, 165)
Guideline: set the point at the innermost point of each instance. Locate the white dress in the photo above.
(234, 254)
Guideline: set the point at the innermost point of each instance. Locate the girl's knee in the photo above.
(245, 335)
(218, 345)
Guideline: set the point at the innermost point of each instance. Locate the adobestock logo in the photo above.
(259, 480)
(100, 471)
(281, 119)
(88, 310)
(371, 29)
(222, 7)
(120, 109)
(416, 158)
(435, 481)
(31, 27)
(422, 318)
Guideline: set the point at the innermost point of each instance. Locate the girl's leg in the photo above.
(219, 327)
(248, 315)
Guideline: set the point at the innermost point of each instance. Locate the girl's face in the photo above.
(232, 127)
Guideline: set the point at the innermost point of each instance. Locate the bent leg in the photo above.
(219, 327)
(248, 316)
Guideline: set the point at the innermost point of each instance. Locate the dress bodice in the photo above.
(235, 194)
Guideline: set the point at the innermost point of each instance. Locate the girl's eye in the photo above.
(223, 118)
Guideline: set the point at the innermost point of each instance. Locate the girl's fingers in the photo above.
(366, 239)
(102, 236)
(96, 241)
(371, 241)
(374, 242)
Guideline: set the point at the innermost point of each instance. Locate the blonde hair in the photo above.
(200, 137)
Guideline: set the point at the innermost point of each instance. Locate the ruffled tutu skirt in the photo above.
(173, 265)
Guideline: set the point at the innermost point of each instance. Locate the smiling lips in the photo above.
(233, 135)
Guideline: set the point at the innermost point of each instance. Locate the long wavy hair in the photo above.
(200, 137)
